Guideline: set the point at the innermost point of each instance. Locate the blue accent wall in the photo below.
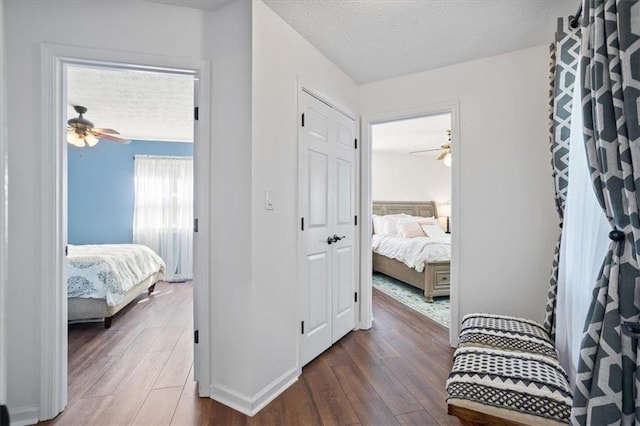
(101, 191)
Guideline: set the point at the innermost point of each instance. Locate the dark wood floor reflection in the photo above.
(140, 372)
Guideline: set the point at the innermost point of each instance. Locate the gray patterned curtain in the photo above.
(607, 383)
(565, 54)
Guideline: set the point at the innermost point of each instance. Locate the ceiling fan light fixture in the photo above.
(75, 139)
(91, 140)
(81, 132)
(447, 159)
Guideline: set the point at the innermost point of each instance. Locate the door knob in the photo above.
(329, 240)
(336, 238)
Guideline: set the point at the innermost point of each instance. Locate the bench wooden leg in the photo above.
(470, 417)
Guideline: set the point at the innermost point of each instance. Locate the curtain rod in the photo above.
(574, 21)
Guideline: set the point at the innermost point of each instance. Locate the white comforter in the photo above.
(413, 252)
(108, 271)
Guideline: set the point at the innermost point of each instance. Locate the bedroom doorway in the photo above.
(130, 227)
(111, 131)
(410, 187)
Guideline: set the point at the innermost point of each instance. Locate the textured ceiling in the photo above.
(140, 105)
(414, 134)
(378, 39)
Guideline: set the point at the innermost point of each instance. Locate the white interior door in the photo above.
(343, 224)
(327, 230)
(315, 264)
(198, 249)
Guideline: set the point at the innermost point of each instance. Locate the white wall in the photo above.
(280, 56)
(135, 27)
(409, 177)
(228, 46)
(507, 222)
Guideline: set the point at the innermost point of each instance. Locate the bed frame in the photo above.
(435, 279)
(85, 308)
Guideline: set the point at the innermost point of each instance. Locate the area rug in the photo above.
(414, 298)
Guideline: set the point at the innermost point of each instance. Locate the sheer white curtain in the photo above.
(585, 239)
(163, 212)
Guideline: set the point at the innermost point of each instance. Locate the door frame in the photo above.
(452, 107)
(301, 88)
(3, 213)
(53, 305)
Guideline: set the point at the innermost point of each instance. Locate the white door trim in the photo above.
(325, 99)
(53, 307)
(452, 107)
(3, 213)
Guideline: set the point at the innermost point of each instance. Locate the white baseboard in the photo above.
(273, 389)
(250, 406)
(24, 416)
(204, 391)
(231, 398)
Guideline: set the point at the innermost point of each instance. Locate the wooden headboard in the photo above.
(413, 208)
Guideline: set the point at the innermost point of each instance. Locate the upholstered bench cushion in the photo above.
(507, 333)
(509, 385)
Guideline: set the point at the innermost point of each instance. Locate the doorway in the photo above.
(411, 192)
(450, 109)
(54, 307)
(129, 197)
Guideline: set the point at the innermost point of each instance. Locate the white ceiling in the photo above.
(378, 39)
(140, 105)
(413, 134)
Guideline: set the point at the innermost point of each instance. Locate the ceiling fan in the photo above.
(445, 151)
(81, 131)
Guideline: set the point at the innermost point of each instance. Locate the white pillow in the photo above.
(378, 224)
(433, 231)
(409, 228)
(427, 220)
(390, 223)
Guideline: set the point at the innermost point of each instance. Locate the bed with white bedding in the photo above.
(103, 279)
(413, 252)
(422, 260)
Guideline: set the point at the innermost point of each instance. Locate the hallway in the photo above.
(139, 372)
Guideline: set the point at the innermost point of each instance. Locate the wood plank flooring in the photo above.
(140, 372)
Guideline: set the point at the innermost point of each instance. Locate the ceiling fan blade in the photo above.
(424, 150)
(111, 137)
(110, 131)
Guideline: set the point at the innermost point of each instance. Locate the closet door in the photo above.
(326, 240)
(343, 224)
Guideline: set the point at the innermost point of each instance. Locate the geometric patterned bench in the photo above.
(507, 333)
(506, 371)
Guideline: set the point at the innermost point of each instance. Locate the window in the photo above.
(163, 212)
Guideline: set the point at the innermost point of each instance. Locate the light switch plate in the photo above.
(268, 199)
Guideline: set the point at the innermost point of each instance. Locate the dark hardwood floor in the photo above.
(140, 372)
